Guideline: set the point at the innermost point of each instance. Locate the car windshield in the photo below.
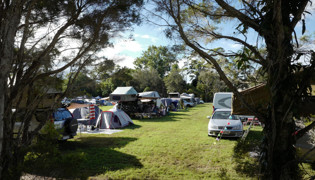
(224, 115)
(62, 115)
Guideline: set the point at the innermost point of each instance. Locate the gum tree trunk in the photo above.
(10, 19)
(278, 153)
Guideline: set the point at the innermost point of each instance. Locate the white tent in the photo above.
(112, 119)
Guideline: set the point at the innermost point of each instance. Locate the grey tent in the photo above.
(84, 113)
(113, 119)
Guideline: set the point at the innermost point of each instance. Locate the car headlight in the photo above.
(212, 126)
(239, 127)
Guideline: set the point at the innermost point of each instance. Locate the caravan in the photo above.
(222, 100)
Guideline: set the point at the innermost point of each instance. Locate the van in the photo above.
(222, 100)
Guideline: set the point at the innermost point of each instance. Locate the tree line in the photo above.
(157, 69)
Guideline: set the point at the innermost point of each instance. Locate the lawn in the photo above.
(173, 147)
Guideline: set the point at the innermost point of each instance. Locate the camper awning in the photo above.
(105, 98)
(258, 97)
(146, 100)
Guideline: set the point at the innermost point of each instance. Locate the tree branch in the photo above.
(300, 133)
(299, 12)
(211, 60)
(237, 14)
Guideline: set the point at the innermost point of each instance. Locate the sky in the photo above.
(127, 49)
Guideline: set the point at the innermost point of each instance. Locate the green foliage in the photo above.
(243, 149)
(83, 85)
(104, 69)
(174, 81)
(45, 157)
(209, 83)
(107, 87)
(160, 58)
(122, 77)
(147, 79)
(146, 89)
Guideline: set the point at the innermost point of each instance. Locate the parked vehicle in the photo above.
(222, 100)
(78, 101)
(65, 123)
(188, 103)
(222, 121)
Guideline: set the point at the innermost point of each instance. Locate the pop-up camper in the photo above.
(222, 100)
(123, 94)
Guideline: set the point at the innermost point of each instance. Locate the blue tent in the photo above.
(166, 101)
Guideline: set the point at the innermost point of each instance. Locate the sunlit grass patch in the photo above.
(173, 147)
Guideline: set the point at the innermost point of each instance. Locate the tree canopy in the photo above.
(160, 58)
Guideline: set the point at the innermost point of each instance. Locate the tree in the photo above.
(148, 80)
(159, 58)
(174, 81)
(104, 69)
(287, 80)
(122, 77)
(107, 87)
(38, 41)
(83, 85)
(210, 83)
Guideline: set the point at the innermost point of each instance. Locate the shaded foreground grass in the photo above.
(171, 147)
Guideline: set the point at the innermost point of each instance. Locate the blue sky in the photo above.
(127, 50)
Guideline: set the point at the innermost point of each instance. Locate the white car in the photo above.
(222, 122)
(187, 103)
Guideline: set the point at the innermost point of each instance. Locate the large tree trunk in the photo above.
(279, 155)
(10, 19)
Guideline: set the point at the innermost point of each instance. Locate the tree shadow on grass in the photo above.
(132, 126)
(170, 117)
(85, 157)
(245, 164)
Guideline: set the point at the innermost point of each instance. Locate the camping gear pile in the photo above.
(150, 104)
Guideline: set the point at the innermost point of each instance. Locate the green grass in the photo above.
(173, 147)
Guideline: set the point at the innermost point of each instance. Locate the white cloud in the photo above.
(146, 36)
(124, 61)
(235, 46)
(126, 45)
(122, 47)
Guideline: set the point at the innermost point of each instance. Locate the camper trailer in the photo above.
(222, 100)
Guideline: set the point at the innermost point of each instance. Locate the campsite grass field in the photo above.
(172, 147)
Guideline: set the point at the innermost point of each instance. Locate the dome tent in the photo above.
(112, 119)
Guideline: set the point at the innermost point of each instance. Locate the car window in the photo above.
(62, 115)
(224, 115)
